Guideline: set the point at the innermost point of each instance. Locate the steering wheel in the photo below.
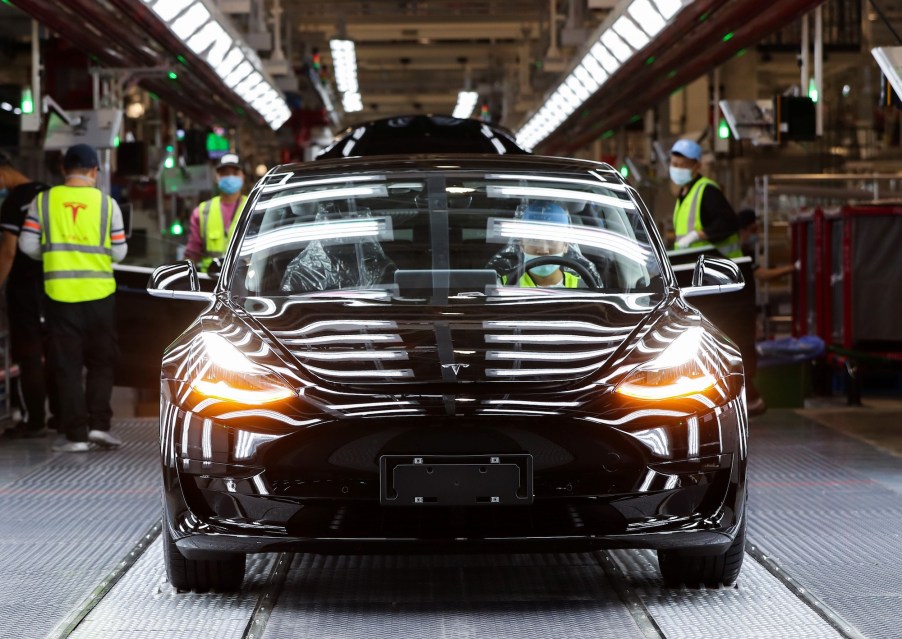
(560, 260)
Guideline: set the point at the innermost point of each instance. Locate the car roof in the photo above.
(525, 162)
(422, 133)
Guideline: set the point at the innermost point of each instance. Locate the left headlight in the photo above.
(226, 373)
(677, 371)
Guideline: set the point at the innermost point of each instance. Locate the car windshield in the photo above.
(443, 232)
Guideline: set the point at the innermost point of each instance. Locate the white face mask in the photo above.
(680, 176)
(543, 270)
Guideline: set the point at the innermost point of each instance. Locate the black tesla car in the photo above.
(457, 352)
(421, 133)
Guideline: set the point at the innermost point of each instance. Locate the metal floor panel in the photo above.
(450, 596)
(143, 604)
(68, 521)
(757, 607)
(820, 511)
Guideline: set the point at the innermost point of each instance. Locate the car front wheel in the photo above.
(223, 574)
(680, 567)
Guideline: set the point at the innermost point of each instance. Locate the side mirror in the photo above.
(177, 281)
(714, 275)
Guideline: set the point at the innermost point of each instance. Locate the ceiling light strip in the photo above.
(202, 29)
(629, 28)
(466, 102)
(344, 65)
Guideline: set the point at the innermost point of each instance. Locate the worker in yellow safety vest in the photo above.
(77, 231)
(546, 214)
(213, 222)
(702, 215)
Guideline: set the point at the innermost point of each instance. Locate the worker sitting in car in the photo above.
(531, 249)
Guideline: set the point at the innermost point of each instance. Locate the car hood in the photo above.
(541, 341)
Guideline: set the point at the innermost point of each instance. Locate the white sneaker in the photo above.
(73, 447)
(104, 438)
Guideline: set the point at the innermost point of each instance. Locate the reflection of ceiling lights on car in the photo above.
(200, 27)
(466, 102)
(344, 65)
(620, 37)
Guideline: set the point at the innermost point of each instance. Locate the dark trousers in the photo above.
(30, 349)
(83, 335)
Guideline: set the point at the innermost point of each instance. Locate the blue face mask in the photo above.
(542, 270)
(679, 176)
(230, 184)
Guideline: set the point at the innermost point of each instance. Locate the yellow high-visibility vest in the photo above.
(212, 228)
(570, 281)
(687, 217)
(76, 243)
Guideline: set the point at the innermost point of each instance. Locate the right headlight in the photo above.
(677, 371)
(228, 374)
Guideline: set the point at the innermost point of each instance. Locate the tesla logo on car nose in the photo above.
(455, 368)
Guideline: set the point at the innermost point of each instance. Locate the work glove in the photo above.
(686, 240)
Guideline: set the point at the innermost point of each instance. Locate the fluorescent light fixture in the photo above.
(669, 8)
(190, 21)
(466, 102)
(607, 60)
(627, 29)
(647, 17)
(344, 65)
(202, 29)
(351, 102)
(616, 45)
(588, 77)
(578, 88)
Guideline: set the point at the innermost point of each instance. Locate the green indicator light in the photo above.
(625, 171)
(169, 148)
(723, 131)
(671, 74)
(728, 37)
(176, 228)
(704, 16)
(741, 53)
(182, 59)
(650, 60)
(635, 118)
(116, 141)
(153, 96)
(173, 75)
(7, 2)
(812, 90)
(169, 162)
(27, 105)
(607, 134)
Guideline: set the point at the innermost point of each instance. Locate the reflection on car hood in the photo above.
(362, 344)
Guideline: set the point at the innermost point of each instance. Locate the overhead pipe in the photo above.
(644, 91)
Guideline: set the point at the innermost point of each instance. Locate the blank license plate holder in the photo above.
(455, 480)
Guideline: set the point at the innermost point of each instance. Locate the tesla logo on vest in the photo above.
(75, 207)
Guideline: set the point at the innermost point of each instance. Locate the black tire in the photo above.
(224, 574)
(685, 567)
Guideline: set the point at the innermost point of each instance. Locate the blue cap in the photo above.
(80, 156)
(545, 212)
(688, 149)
